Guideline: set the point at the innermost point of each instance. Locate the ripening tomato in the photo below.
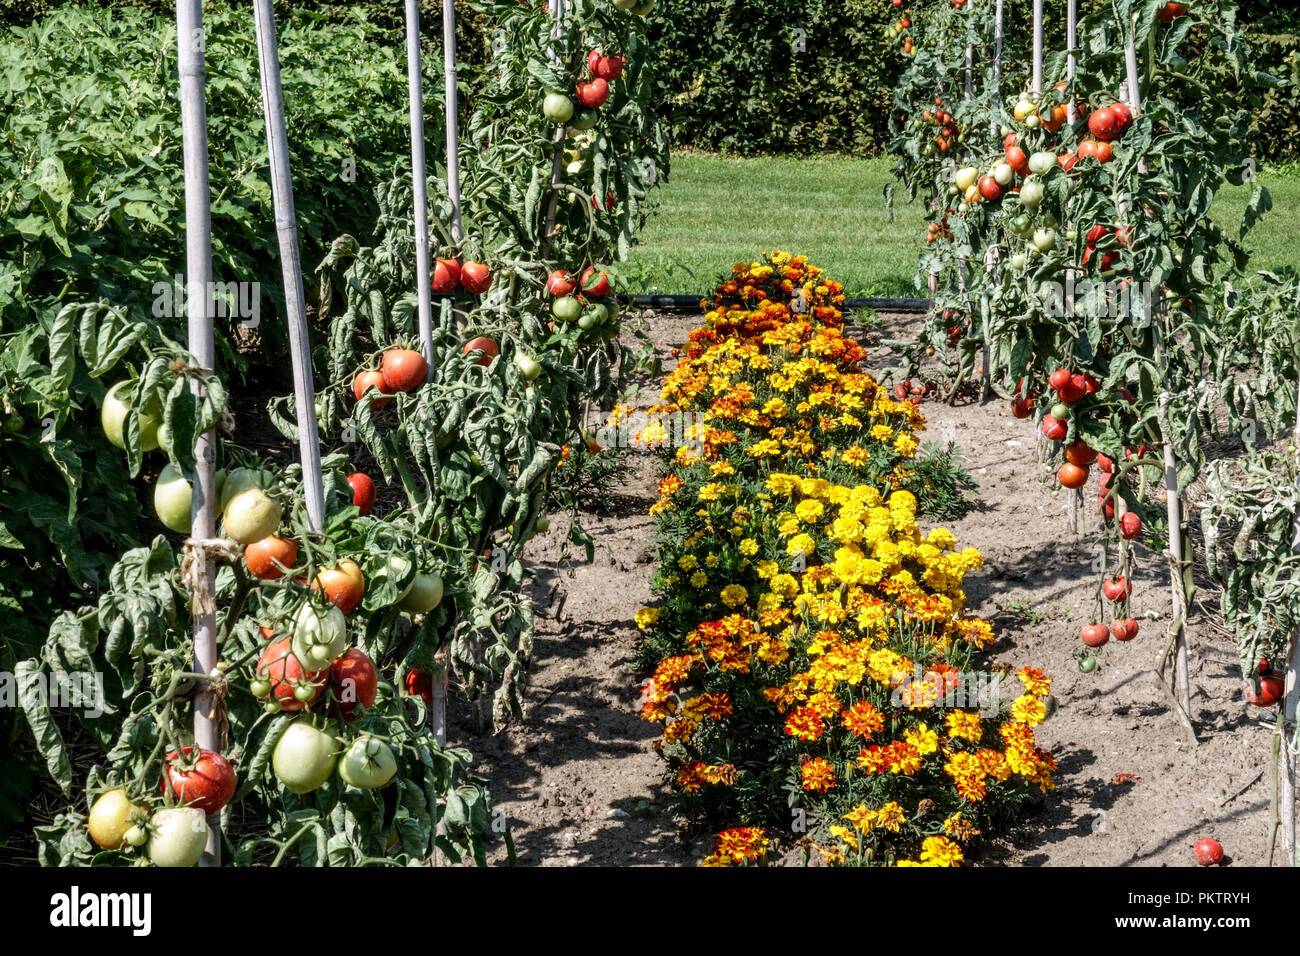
(404, 370)
(595, 284)
(1022, 407)
(354, 682)
(344, 585)
(989, 188)
(365, 380)
(606, 67)
(1095, 635)
(363, 491)
(262, 557)
(1072, 476)
(1168, 14)
(1123, 116)
(446, 275)
(1071, 391)
(112, 815)
(1017, 160)
(1059, 378)
(1271, 689)
(208, 785)
(279, 666)
(475, 277)
(1105, 464)
(1130, 525)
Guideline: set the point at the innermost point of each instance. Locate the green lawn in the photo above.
(716, 212)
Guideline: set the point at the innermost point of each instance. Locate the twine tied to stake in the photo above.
(194, 566)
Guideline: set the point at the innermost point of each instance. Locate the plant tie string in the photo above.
(194, 564)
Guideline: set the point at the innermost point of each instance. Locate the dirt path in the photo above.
(579, 782)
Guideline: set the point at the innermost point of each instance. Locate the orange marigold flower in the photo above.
(804, 723)
(1034, 680)
(818, 775)
(863, 719)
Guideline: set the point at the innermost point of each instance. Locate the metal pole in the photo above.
(557, 154)
(1071, 41)
(419, 180)
(453, 135)
(1290, 705)
(199, 310)
(277, 144)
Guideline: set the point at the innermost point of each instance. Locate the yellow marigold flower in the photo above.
(721, 468)
(940, 851)
(711, 491)
(734, 595)
(809, 510)
(741, 843)
(855, 455)
(925, 740)
(1029, 709)
(801, 544)
(1035, 681)
(648, 616)
(890, 816)
(780, 484)
(905, 445)
(767, 569)
(748, 547)
(843, 833)
(787, 525)
(964, 725)
(711, 561)
(882, 432)
(776, 408)
(817, 775)
(862, 819)
(688, 562)
(699, 579)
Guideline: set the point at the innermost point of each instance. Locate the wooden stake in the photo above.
(419, 181)
(1036, 84)
(199, 310)
(1071, 41)
(557, 8)
(295, 299)
(1290, 705)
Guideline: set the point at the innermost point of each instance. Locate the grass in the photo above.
(716, 212)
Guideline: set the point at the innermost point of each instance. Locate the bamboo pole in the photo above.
(557, 9)
(1036, 86)
(199, 311)
(419, 181)
(1290, 706)
(991, 256)
(277, 144)
(453, 135)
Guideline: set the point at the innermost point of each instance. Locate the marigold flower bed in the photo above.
(813, 666)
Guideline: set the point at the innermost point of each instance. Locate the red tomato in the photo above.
(486, 347)
(1095, 635)
(475, 277)
(355, 682)
(560, 284)
(1072, 476)
(1208, 852)
(363, 491)
(989, 188)
(1059, 378)
(1125, 629)
(1105, 464)
(595, 284)
(1054, 428)
(365, 380)
(281, 667)
(594, 94)
(1271, 689)
(1123, 116)
(260, 556)
(1130, 525)
(420, 684)
(446, 275)
(404, 370)
(208, 786)
(1022, 407)
(1078, 453)
(1117, 589)
(1072, 390)
(607, 67)
(1017, 159)
(1103, 124)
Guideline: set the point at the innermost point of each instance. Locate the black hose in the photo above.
(691, 303)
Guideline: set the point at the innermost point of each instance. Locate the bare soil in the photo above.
(580, 784)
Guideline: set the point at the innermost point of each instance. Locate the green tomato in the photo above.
(305, 693)
(588, 321)
(112, 416)
(271, 707)
(137, 836)
(557, 108)
(1003, 174)
(240, 479)
(1087, 664)
(251, 515)
(1031, 193)
(566, 308)
(542, 525)
(625, 4)
(319, 636)
(259, 687)
(585, 119)
(177, 836)
(397, 567)
(425, 594)
(304, 757)
(528, 366)
(644, 8)
(173, 497)
(1045, 239)
(1041, 163)
(368, 764)
(1018, 261)
(1061, 412)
